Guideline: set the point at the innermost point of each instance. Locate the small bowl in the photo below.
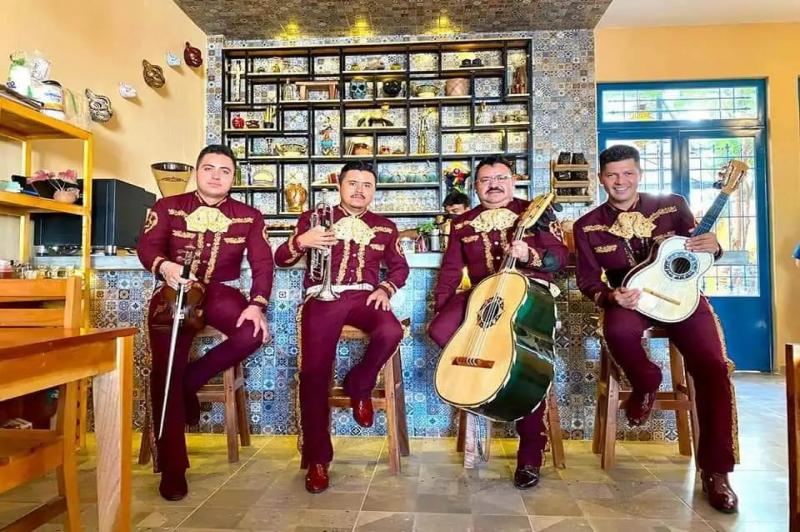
(426, 91)
(291, 150)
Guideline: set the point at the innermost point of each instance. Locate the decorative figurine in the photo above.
(126, 91)
(173, 60)
(153, 74)
(193, 56)
(392, 88)
(99, 107)
(358, 88)
(237, 122)
(459, 144)
(424, 129)
(326, 143)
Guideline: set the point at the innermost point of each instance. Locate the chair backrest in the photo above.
(40, 302)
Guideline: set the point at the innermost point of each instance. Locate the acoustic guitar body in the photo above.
(499, 363)
(669, 280)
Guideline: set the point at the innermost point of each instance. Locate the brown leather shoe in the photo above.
(173, 485)
(362, 411)
(317, 479)
(719, 492)
(638, 407)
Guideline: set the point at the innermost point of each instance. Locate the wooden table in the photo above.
(41, 358)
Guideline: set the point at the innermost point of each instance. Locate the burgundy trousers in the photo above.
(532, 429)
(320, 328)
(700, 342)
(222, 308)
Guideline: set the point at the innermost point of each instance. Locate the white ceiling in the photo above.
(642, 13)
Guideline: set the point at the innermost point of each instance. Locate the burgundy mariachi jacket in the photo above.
(219, 233)
(477, 240)
(363, 242)
(610, 242)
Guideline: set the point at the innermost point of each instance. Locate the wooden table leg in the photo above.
(113, 407)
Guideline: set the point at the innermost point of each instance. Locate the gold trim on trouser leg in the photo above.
(731, 368)
(148, 399)
(297, 409)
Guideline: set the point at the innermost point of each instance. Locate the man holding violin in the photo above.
(348, 292)
(479, 240)
(205, 233)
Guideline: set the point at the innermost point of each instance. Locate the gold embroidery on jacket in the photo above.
(470, 238)
(343, 263)
(151, 221)
(212, 260)
(234, 240)
(487, 252)
(594, 228)
(610, 248)
(377, 247)
(182, 234)
(494, 220)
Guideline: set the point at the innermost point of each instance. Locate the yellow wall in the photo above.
(97, 44)
(723, 52)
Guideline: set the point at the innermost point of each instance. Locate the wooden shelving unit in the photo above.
(564, 189)
(493, 117)
(25, 125)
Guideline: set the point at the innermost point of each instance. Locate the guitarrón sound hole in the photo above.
(490, 312)
(681, 265)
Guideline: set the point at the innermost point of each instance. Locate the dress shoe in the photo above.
(317, 479)
(173, 485)
(638, 407)
(191, 406)
(720, 495)
(526, 476)
(362, 411)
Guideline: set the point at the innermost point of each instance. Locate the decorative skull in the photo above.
(358, 88)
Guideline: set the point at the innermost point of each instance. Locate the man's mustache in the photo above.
(495, 189)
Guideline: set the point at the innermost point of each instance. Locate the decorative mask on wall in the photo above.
(192, 56)
(358, 88)
(99, 107)
(173, 60)
(153, 74)
(126, 91)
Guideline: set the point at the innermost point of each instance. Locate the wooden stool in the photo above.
(390, 398)
(610, 398)
(554, 426)
(232, 393)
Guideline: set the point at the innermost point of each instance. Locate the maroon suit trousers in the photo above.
(531, 429)
(321, 326)
(699, 340)
(223, 305)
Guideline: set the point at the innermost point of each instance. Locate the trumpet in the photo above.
(319, 269)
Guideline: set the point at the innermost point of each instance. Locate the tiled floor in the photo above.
(652, 487)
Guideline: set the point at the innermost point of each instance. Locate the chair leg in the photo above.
(609, 435)
(602, 405)
(67, 472)
(391, 417)
(462, 431)
(144, 446)
(554, 422)
(681, 416)
(228, 379)
(400, 398)
(695, 424)
(242, 410)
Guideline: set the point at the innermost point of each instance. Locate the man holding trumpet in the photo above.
(343, 288)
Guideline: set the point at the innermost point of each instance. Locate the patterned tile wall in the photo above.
(564, 119)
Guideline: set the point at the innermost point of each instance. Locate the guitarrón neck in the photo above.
(510, 263)
(711, 215)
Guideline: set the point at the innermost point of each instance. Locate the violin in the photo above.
(166, 301)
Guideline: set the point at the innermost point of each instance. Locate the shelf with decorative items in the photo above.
(411, 109)
(570, 182)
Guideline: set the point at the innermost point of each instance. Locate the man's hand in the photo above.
(317, 237)
(381, 300)
(626, 297)
(706, 242)
(520, 250)
(255, 314)
(171, 272)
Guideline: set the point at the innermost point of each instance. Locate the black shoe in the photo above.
(173, 485)
(526, 477)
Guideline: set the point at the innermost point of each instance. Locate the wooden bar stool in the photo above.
(231, 392)
(390, 398)
(554, 429)
(610, 398)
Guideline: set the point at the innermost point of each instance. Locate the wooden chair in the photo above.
(554, 429)
(232, 393)
(26, 455)
(610, 398)
(793, 417)
(390, 398)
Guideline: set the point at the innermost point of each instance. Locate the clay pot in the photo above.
(296, 195)
(69, 195)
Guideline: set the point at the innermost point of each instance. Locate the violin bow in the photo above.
(173, 339)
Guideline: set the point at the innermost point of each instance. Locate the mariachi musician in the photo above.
(479, 240)
(217, 230)
(349, 292)
(612, 239)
